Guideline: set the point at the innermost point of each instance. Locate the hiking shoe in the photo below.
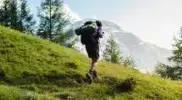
(94, 74)
(89, 77)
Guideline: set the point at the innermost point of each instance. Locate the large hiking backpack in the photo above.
(88, 33)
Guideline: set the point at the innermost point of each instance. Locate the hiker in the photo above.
(90, 33)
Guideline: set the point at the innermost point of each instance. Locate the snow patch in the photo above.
(141, 43)
(115, 31)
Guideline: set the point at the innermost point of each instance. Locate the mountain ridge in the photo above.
(131, 45)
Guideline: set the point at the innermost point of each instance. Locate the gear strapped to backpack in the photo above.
(88, 33)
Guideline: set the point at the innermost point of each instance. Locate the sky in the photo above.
(154, 21)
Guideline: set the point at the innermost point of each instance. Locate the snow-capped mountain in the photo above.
(146, 55)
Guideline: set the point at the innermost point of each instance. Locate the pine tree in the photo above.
(5, 13)
(161, 69)
(16, 15)
(175, 72)
(112, 51)
(26, 21)
(52, 19)
(177, 52)
(128, 61)
(66, 38)
(9, 15)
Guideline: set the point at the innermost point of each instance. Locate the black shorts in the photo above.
(92, 51)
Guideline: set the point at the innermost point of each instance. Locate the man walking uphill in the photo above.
(90, 33)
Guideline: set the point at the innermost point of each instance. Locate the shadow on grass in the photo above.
(53, 77)
(106, 80)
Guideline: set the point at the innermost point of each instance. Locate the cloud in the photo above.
(94, 16)
(73, 15)
(1, 2)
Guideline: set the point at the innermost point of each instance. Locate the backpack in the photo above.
(88, 33)
(78, 31)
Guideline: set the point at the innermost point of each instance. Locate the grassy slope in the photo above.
(39, 69)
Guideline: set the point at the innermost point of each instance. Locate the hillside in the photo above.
(145, 54)
(37, 69)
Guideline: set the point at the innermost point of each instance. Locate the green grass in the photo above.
(14, 93)
(37, 69)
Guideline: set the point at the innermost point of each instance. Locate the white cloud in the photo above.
(1, 2)
(94, 16)
(69, 12)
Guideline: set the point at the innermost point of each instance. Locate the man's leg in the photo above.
(92, 70)
(92, 73)
(93, 53)
(95, 57)
(93, 65)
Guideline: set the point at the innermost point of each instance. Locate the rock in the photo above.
(127, 85)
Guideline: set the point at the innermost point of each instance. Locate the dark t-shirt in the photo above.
(93, 48)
